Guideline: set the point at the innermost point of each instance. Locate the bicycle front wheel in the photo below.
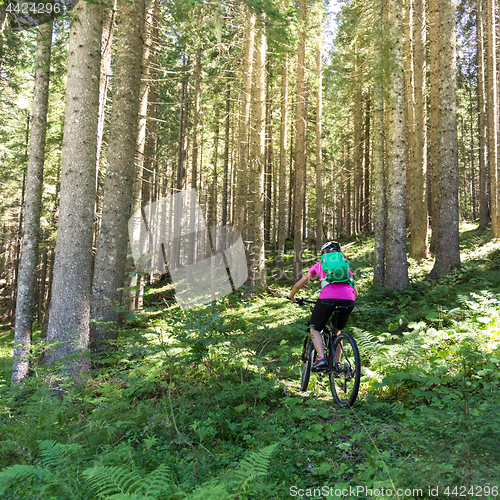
(344, 382)
(308, 357)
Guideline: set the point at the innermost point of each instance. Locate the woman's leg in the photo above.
(338, 352)
(318, 342)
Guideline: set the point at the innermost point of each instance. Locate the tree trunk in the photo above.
(113, 238)
(196, 118)
(357, 150)
(43, 286)
(396, 274)
(108, 22)
(257, 274)
(492, 110)
(482, 133)
(448, 250)
(242, 173)
(282, 168)
(212, 193)
(419, 220)
(319, 154)
(472, 162)
(268, 160)
(31, 236)
(225, 179)
(379, 200)
(366, 223)
(300, 164)
(70, 302)
(152, 20)
(434, 107)
(409, 104)
(132, 285)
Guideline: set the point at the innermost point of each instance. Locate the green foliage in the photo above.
(206, 403)
(119, 484)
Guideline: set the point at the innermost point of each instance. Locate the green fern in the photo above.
(216, 489)
(256, 464)
(119, 484)
(21, 474)
(53, 472)
(55, 454)
(154, 483)
(107, 481)
(229, 486)
(369, 345)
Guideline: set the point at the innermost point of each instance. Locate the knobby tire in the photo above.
(345, 384)
(309, 356)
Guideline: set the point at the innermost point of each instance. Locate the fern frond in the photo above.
(154, 483)
(56, 454)
(369, 345)
(107, 481)
(256, 464)
(213, 490)
(20, 474)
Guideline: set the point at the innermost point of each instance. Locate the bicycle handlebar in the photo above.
(302, 301)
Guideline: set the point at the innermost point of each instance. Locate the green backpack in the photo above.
(336, 267)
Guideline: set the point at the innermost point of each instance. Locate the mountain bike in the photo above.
(344, 370)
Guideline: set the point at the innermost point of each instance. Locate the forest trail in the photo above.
(207, 394)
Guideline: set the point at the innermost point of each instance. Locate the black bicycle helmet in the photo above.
(330, 246)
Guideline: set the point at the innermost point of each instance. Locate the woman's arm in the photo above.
(299, 285)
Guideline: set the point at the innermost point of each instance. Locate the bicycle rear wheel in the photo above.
(308, 357)
(344, 383)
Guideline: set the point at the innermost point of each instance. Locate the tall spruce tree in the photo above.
(69, 314)
(31, 229)
(396, 273)
(300, 152)
(113, 238)
(447, 245)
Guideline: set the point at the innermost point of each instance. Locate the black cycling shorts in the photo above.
(324, 309)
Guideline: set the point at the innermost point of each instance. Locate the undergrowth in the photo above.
(206, 403)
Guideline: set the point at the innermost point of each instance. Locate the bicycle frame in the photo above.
(345, 371)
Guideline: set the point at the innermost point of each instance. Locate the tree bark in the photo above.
(282, 168)
(225, 178)
(419, 220)
(481, 97)
(319, 154)
(379, 200)
(434, 121)
(113, 238)
(358, 156)
(396, 274)
(132, 285)
(29, 252)
(257, 274)
(448, 249)
(300, 164)
(242, 172)
(409, 104)
(493, 119)
(482, 133)
(365, 227)
(70, 303)
(196, 118)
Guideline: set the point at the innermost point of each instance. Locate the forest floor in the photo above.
(206, 403)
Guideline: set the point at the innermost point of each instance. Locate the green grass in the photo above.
(207, 403)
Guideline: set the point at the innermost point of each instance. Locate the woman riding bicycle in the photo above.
(330, 296)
